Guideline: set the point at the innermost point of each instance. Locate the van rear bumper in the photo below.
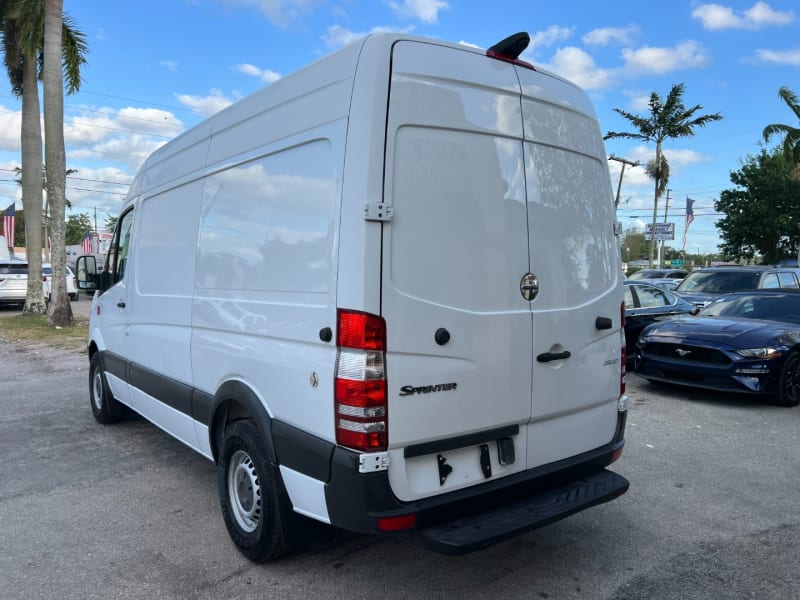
(476, 517)
(476, 531)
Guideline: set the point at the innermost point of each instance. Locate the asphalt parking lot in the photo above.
(124, 511)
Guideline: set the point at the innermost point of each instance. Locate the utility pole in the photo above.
(666, 211)
(621, 173)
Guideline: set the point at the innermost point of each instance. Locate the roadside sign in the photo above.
(664, 231)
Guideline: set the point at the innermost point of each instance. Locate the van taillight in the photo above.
(360, 381)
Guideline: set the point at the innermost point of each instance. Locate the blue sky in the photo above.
(156, 68)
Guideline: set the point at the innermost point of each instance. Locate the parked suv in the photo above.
(703, 285)
(13, 281)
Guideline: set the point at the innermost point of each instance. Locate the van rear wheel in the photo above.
(105, 408)
(248, 493)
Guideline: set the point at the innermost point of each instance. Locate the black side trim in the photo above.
(172, 393)
(301, 451)
(201, 407)
(116, 365)
(462, 441)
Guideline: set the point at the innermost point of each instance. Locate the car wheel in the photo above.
(789, 381)
(105, 408)
(249, 494)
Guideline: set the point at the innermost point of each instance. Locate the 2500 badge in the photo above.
(410, 390)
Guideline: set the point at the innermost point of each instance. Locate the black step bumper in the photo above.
(480, 530)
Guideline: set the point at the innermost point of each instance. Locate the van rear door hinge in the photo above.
(378, 211)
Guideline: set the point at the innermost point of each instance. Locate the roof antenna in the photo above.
(510, 48)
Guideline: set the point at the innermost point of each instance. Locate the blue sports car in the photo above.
(747, 342)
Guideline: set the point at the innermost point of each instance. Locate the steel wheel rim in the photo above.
(244, 491)
(97, 390)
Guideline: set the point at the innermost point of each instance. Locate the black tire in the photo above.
(789, 381)
(250, 494)
(105, 408)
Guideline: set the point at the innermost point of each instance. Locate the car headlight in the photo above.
(759, 353)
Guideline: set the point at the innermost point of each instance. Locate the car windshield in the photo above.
(768, 308)
(718, 282)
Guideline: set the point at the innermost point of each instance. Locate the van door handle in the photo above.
(551, 356)
(121, 304)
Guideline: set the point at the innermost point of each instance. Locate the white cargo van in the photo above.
(382, 293)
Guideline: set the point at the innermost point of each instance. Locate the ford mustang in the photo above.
(747, 342)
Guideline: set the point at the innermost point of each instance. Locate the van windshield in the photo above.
(718, 282)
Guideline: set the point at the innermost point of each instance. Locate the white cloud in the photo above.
(426, 11)
(579, 67)
(608, 35)
(264, 75)
(172, 65)
(280, 12)
(548, 37)
(785, 57)
(338, 36)
(205, 105)
(686, 55)
(716, 17)
(10, 127)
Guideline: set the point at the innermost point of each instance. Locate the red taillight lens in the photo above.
(360, 390)
(360, 330)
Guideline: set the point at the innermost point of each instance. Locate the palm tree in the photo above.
(71, 50)
(21, 58)
(668, 119)
(791, 140)
(22, 25)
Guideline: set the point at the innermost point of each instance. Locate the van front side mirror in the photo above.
(86, 272)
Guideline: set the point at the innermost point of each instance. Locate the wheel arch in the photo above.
(233, 401)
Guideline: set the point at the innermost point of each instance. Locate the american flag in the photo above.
(8, 224)
(689, 218)
(87, 243)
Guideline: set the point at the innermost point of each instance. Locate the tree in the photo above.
(791, 135)
(110, 223)
(668, 119)
(60, 311)
(22, 25)
(21, 46)
(762, 216)
(76, 228)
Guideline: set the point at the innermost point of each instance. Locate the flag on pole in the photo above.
(87, 243)
(689, 219)
(8, 224)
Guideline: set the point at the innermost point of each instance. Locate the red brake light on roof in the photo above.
(510, 48)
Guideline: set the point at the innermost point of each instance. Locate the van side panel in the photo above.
(265, 278)
(159, 303)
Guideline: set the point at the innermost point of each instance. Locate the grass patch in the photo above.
(33, 329)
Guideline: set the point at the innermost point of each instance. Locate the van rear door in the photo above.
(462, 250)
(454, 255)
(573, 253)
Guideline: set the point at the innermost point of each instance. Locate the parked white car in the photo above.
(47, 276)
